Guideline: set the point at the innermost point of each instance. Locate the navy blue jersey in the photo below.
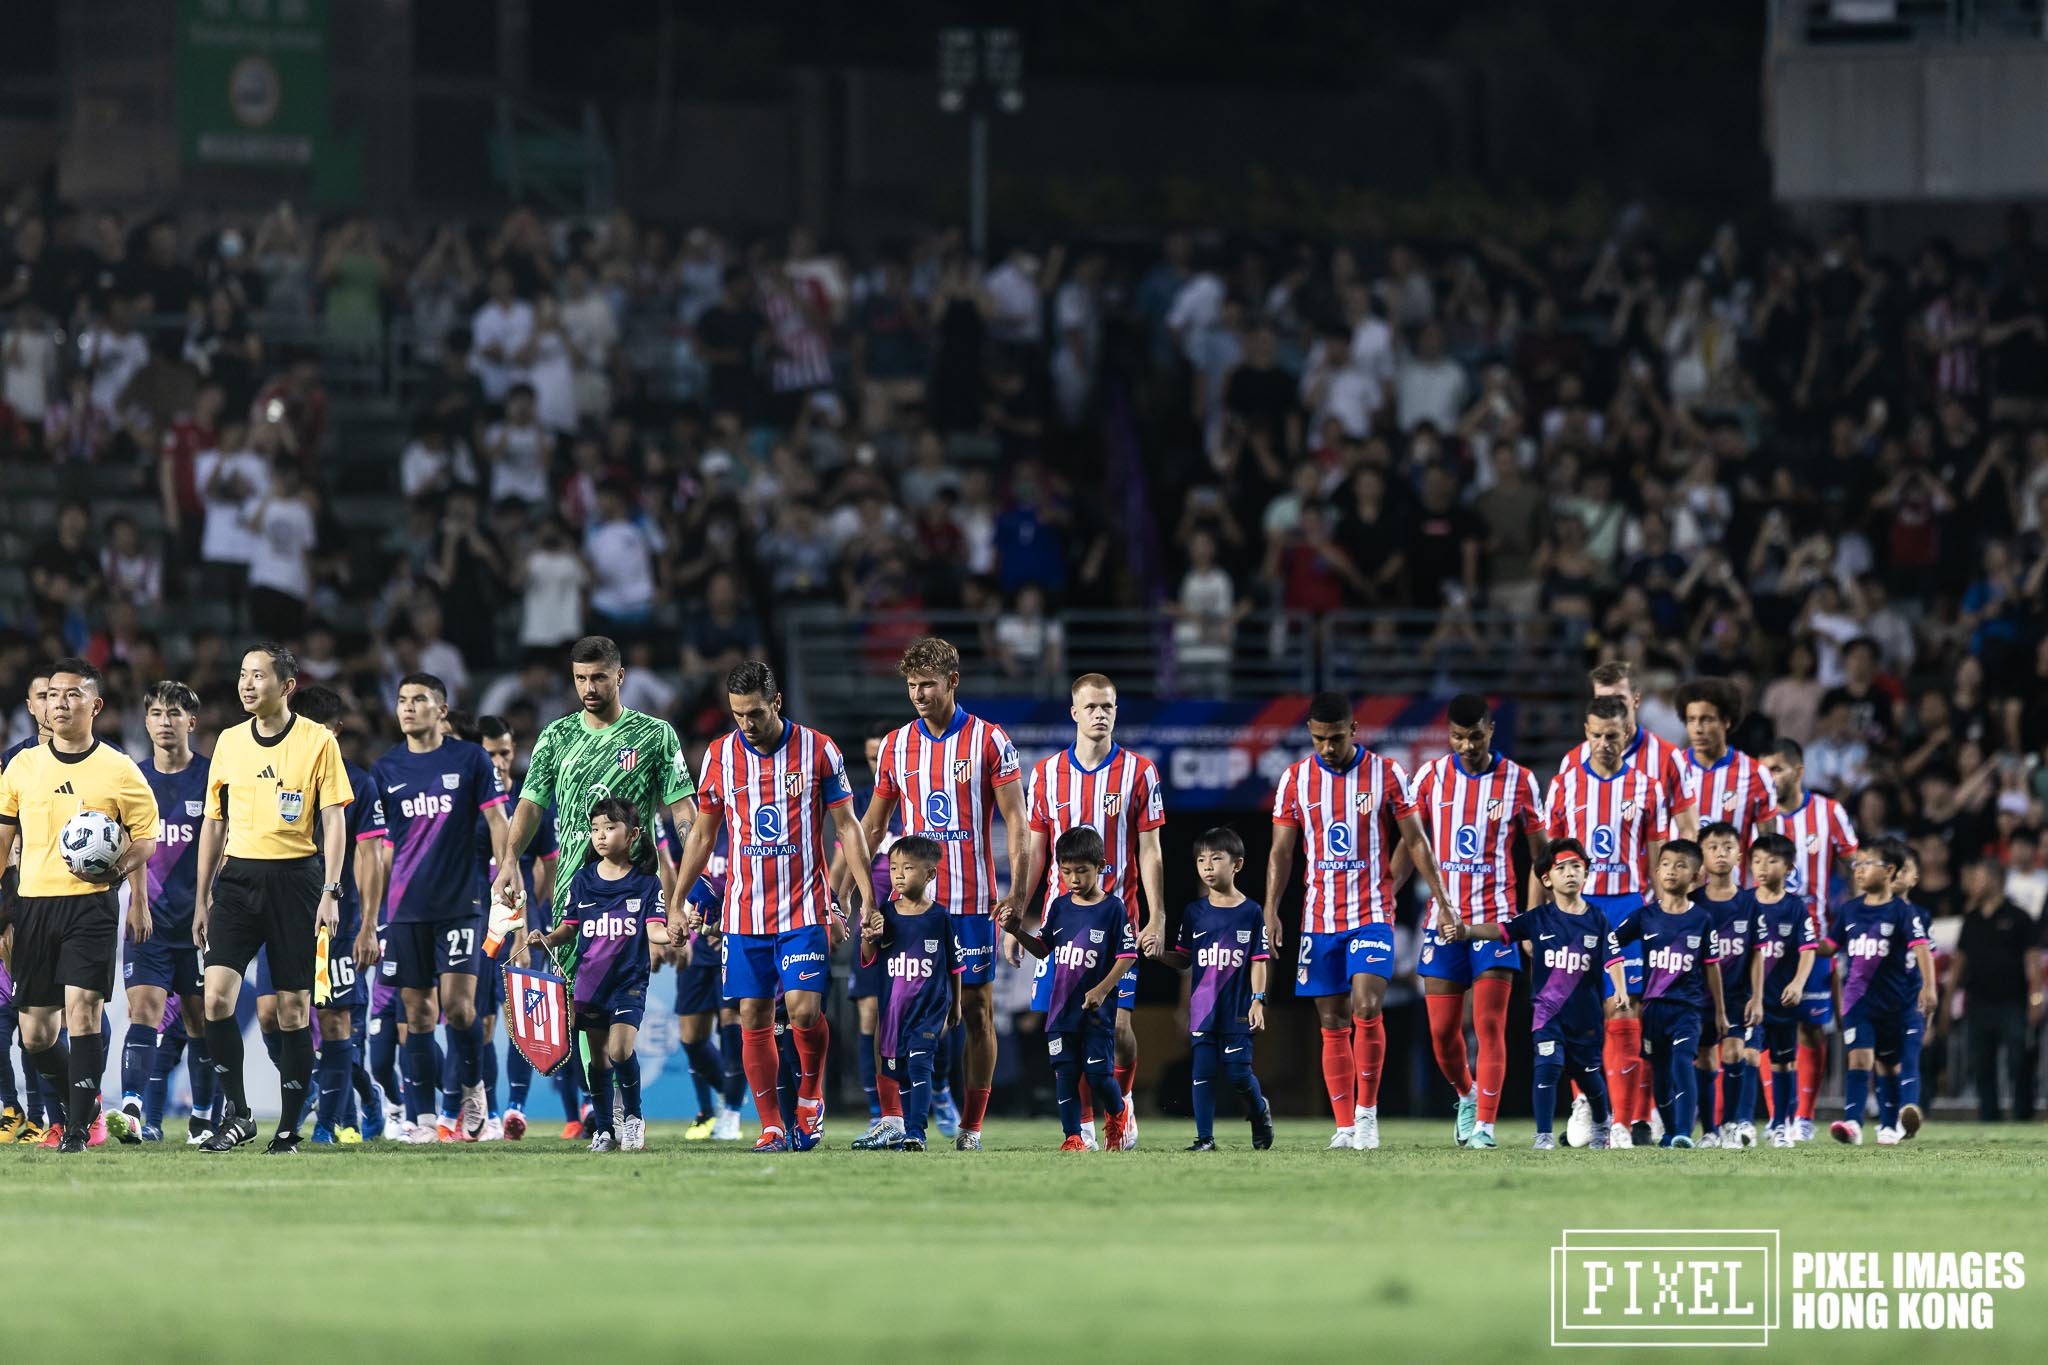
(611, 919)
(1222, 942)
(365, 821)
(1734, 936)
(15, 749)
(1878, 942)
(431, 802)
(1567, 954)
(1089, 943)
(172, 872)
(920, 960)
(1676, 951)
(1780, 933)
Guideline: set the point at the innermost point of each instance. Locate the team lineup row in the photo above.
(245, 857)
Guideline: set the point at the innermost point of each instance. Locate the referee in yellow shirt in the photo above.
(278, 785)
(67, 930)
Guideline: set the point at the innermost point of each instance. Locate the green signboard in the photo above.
(252, 82)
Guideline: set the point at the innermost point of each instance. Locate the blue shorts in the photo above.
(1041, 988)
(697, 990)
(1464, 960)
(757, 964)
(1329, 961)
(1817, 1006)
(490, 987)
(171, 969)
(346, 986)
(1619, 909)
(1883, 1031)
(627, 1005)
(1581, 1051)
(1670, 1026)
(867, 980)
(1781, 1036)
(974, 941)
(427, 950)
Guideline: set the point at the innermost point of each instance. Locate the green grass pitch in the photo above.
(704, 1252)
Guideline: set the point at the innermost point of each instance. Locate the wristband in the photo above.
(1258, 997)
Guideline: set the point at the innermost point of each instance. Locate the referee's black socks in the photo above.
(88, 1064)
(295, 1074)
(224, 1044)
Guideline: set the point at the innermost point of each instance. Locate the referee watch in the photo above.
(331, 889)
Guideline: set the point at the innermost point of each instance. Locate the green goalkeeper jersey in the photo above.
(576, 765)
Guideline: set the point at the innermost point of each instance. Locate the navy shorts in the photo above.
(1883, 1031)
(171, 968)
(346, 984)
(697, 988)
(624, 1005)
(1580, 1051)
(1041, 988)
(1670, 1026)
(423, 951)
(867, 980)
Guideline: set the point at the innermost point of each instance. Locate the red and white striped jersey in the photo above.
(1820, 831)
(1617, 819)
(947, 787)
(1472, 822)
(1650, 751)
(1347, 823)
(775, 806)
(1120, 798)
(1737, 790)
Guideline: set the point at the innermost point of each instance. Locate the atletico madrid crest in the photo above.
(962, 769)
(537, 1017)
(629, 759)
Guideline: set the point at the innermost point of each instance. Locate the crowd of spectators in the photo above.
(1815, 468)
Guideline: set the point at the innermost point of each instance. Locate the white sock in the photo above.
(1088, 1130)
(1367, 1111)
(1485, 1128)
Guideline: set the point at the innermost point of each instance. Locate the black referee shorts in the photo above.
(64, 941)
(266, 903)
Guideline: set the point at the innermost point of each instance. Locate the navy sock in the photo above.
(444, 1068)
(628, 1073)
(950, 1064)
(1784, 1096)
(571, 1097)
(917, 1094)
(138, 1051)
(1204, 1087)
(224, 1044)
(1732, 1110)
(1593, 1085)
(706, 1074)
(788, 1068)
(34, 1102)
(384, 1057)
(421, 1079)
(337, 1062)
(1684, 1096)
(1909, 1059)
(1888, 1100)
(156, 1090)
(468, 1045)
(735, 1073)
(1066, 1087)
(865, 1055)
(1709, 1098)
(1543, 1095)
(1858, 1094)
(518, 1079)
(295, 1076)
(488, 1059)
(10, 1095)
(600, 1099)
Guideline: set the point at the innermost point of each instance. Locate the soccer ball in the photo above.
(92, 842)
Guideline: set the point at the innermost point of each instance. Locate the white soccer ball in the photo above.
(92, 842)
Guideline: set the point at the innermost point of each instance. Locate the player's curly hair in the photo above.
(1718, 693)
(929, 657)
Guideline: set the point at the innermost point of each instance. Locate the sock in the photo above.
(362, 1089)
(706, 1075)
(518, 1079)
(975, 1110)
(864, 1056)
(1888, 1100)
(88, 1064)
(628, 1073)
(156, 1090)
(1125, 1073)
(600, 1098)
(295, 1076)
(917, 1109)
(1238, 1071)
(138, 1052)
(955, 1065)
(1622, 1059)
(1543, 1094)
(788, 1066)
(422, 1077)
(1369, 1049)
(224, 1043)
(1738, 1093)
(1087, 1107)
(1858, 1094)
(445, 1070)
(1784, 1085)
(53, 1069)
(1762, 1067)
(1710, 1098)
(891, 1097)
(270, 1047)
(1645, 1075)
(337, 1081)
(488, 1062)
(811, 1046)
(384, 1058)
(570, 1093)
(1340, 1078)
(757, 1054)
(1909, 1064)
(467, 1043)
(1813, 1064)
(1204, 1091)
(1593, 1086)
(1447, 1040)
(1066, 1087)
(1684, 1096)
(731, 1052)
(1490, 1022)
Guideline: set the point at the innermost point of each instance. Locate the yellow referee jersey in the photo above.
(271, 789)
(42, 788)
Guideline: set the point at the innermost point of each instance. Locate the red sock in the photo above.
(891, 1095)
(1813, 1064)
(1763, 1089)
(1339, 1077)
(1369, 1048)
(811, 1045)
(974, 1111)
(1125, 1074)
(1622, 1060)
(759, 1060)
(1490, 1021)
(1447, 1038)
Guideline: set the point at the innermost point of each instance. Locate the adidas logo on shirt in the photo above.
(269, 772)
(65, 790)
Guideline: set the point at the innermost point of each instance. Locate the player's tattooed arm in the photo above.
(1415, 843)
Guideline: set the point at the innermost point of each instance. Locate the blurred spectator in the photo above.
(231, 479)
(280, 519)
(553, 582)
(519, 451)
(1206, 613)
(1030, 646)
(133, 573)
(621, 549)
(110, 351)
(499, 332)
(29, 354)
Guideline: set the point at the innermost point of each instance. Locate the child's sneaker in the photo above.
(910, 1144)
(1620, 1135)
(700, 1128)
(1681, 1140)
(1745, 1135)
(1781, 1136)
(727, 1127)
(1482, 1136)
(1201, 1145)
(515, 1125)
(1343, 1140)
(1365, 1131)
(348, 1137)
(1599, 1140)
(884, 1133)
(1076, 1143)
(1847, 1131)
(323, 1136)
(1910, 1119)
(125, 1123)
(602, 1141)
(572, 1131)
(1887, 1136)
(771, 1140)
(1262, 1128)
(1578, 1129)
(945, 1114)
(1640, 1134)
(1804, 1132)
(1545, 1142)
(966, 1142)
(633, 1134)
(1710, 1138)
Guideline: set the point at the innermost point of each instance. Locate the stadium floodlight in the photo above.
(980, 71)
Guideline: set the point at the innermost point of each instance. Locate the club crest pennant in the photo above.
(537, 1017)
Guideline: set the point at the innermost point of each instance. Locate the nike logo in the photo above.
(1542, 1087)
(458, 961)
(915, 1055)
(1095, 1061)
(1232, 1051)
(1203, 934)
(1201, 1082)
(1489, 1093)
(586, 905)
(396, 787)
(805, 976)
(1546, 937)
